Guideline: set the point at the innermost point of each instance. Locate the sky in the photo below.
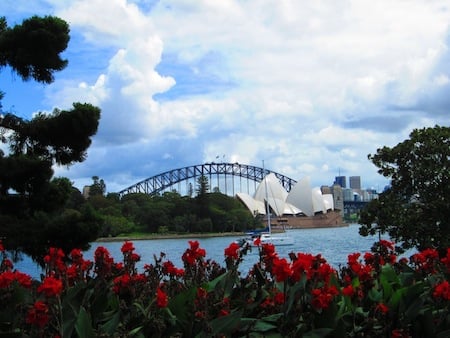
(309, 87)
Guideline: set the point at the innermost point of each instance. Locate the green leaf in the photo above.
(318, 333)
(226, 324)
(83, 325)
(273, 318)
(263, 326)
(111, 325)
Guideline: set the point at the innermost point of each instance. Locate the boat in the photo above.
(266, 236)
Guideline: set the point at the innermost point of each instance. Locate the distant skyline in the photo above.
(310, 87)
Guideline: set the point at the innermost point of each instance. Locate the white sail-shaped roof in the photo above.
(318, 204)
(275, 192)
(300, 200)
(256, 207)
(329, 202)
(300, 196)
(290, 209)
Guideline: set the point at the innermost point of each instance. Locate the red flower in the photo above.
(399, 333)
(382, 308)
(281, 269)
(302, 264)
(323, 297)
(121, 283)
(257, 241)
(38, 314)
(194, 253)
(387, 244)
(127, 247)
(171, 270)
(51, 287)
(103, 261)
(223, 313)
(348, 291)
(232, 251)
(76, 255)
(279, 298)
(442, 290)
(23, 279)
(6, 279)
(161, 298)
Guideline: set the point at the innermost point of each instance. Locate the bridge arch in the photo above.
(163, 181)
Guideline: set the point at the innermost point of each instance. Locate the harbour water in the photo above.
(334, 244)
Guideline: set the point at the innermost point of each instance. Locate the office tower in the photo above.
(355, 182)
(341, 180)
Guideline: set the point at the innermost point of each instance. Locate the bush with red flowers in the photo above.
(373, 295)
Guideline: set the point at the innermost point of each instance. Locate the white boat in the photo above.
(266, 236)
(269, 238)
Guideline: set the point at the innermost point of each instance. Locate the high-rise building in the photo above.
(341, 180)
(355, 182)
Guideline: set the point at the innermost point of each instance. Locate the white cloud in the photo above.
(311, 87)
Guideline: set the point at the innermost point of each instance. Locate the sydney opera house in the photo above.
(301, 207)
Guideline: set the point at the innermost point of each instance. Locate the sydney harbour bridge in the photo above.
(229, 178)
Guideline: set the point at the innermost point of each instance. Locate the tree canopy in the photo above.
(415, 210)
(33, 213)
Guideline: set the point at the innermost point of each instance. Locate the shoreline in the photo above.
(154, 236)
(169, 236)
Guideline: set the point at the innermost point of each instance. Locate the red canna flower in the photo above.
(103, 262)
(381, 307)
(121, 283)
(23, 279)
(170, 269)
(38, 314)
(6, 279)
(223, 313)
(257, 241)
(323, 296)
(232, 251)
(398, 333)
(348, 291)
(279, 298)
(127, 247)
(193, 254)
(162, 300)
(51, 287)
(281, 269)
(442, 290)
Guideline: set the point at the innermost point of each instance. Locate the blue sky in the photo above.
(310, 87)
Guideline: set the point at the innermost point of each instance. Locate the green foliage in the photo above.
(46, 210)
(33, 48)
(373, 296)
(415, 211)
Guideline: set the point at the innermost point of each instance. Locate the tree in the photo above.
(202, 196)
(415, 210)
(98, 187)
(32, 205)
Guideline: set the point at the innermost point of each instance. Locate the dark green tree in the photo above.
(202, 196)
(98, 187)
(415, 210)
(33, 212)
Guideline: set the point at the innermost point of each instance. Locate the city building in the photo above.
(341, 180)
(355, 182)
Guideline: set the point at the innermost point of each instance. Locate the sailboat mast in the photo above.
(267, 199)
